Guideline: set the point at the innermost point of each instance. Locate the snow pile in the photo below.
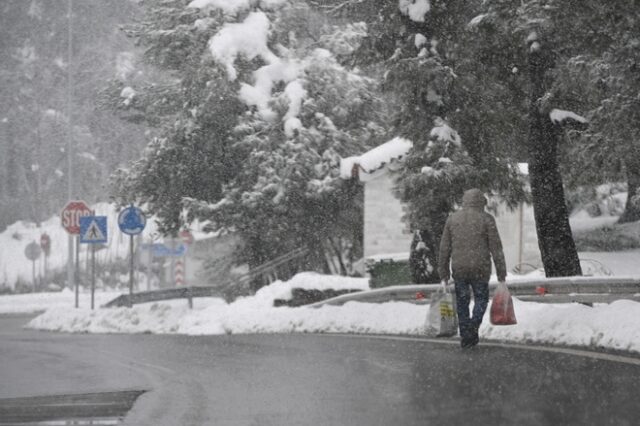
(559, 116)
(37, 302)
(128, 94)
(415, 9)
(232, 7)
(247, 38)
(307, 281)
(238, 318)
(443, 132)
(612, 326)
(265, 78)
(227, 6)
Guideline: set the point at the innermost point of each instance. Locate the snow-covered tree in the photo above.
(551, 40)
(264, 93)
(438, 103)
(288, 192)
(604, 83)
(520, 37)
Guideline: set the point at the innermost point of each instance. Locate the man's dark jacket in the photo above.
(469, 240)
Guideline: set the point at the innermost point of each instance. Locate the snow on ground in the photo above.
(15, 266)
(37, 302)
(612, 326)
(581, 221)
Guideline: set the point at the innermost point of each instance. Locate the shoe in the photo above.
(474, 340)
(469, 340)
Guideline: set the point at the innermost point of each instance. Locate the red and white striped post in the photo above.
(179, 273)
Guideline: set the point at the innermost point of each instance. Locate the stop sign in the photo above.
(71, 215)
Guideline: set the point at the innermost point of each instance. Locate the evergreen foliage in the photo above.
(442, 104)
(255, 147)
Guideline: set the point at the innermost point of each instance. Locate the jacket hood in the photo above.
(474, 198)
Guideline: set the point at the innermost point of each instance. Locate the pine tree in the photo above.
(417, 47)
(604, 83)
(276, 112)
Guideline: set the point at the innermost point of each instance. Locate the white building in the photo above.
(387, 236)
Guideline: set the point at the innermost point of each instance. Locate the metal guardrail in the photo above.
(190, 292)
(165, 294)
(548, 290)
(267, 267)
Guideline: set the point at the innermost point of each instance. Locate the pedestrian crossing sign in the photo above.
(93, 229)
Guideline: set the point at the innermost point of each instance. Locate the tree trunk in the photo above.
(557, 248)
(632, 210)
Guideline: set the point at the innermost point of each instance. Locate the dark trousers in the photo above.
(469, 326)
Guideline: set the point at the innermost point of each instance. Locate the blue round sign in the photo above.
(131, 220)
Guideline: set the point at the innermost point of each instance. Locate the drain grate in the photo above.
(100, 408)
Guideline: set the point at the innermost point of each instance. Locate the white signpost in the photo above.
(32, 251)
(131, 221)
(70, 220)
(93, 230)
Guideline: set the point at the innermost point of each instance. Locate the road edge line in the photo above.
(561, 350)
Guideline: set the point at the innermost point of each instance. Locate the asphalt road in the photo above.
(307, 379)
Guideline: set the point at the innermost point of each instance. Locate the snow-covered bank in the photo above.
(30, 303)
(612, 326)
(14, 265)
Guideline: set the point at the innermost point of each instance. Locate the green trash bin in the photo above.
(388, 270)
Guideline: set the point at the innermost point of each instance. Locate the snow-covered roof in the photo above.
(375, 160)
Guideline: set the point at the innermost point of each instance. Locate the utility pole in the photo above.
(70, 265)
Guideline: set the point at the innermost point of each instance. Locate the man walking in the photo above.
(469, 240)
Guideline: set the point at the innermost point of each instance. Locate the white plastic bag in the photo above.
(442, 320)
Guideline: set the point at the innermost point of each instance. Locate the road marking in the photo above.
(567, 351)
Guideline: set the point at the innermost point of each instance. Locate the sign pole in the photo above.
(76, 271)
(149, 266)
(131, 266)
(33, 251)
(131, 221)
(70, 270)
(70, 218)
(172, 271)
(33, 274)
(93, 230)
(184, 265)
(93, 274)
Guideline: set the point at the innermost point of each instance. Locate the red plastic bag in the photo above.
(502, 312)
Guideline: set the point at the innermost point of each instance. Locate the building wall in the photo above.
(520, 243)
(384, 231)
